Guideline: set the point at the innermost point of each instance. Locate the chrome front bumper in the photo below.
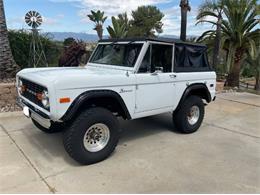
(35, 114)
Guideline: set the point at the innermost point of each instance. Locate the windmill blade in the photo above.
(30, 23)
(37, 14)
(27, 20)
(27, 16)
(30, 13)
(33, 19)
(40, 20)
(38, 23)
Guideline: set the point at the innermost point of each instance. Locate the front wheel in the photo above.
(189, 116)
(93, 136)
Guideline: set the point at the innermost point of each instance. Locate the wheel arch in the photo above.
(197, 89)
(104, 98)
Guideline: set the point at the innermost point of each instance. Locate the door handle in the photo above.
(155, 72)
(173, 75)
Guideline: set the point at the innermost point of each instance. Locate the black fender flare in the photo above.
(194, 87)
(85, 96)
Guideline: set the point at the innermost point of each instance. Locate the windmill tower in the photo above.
(37, 56)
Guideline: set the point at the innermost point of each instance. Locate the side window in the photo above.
(190, 58)
(157, 57)
(161, 57)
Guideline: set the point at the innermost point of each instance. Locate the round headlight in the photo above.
(45, 99)
(20, 86)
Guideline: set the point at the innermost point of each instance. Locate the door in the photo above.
(155, 79)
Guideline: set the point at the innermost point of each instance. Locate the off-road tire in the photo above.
(180, 118)
(54, 128)
(73, 138)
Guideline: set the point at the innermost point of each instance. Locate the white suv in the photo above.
(128, 78)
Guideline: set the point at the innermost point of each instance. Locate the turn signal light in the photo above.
(39, 96)
(23, 88)
(64, 100)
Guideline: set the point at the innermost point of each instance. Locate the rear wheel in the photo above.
(54, 128)
(189, 116)
(93, 136)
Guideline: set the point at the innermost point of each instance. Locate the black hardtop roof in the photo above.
(159, 39)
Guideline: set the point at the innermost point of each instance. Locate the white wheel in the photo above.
(96, 137)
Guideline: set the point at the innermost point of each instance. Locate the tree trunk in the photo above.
(183, 24)
(233, 76)
(217, 43)
(8, 66)
(184, 4)
(257, 81)
(99, 29)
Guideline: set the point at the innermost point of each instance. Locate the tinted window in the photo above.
(117, 54)
(190, 58)
(157, 57)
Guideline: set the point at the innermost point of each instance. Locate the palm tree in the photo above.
(253, 59)
(213, 8)
(238, 33)
(99, 19)
(118, 30)
(123, 19)
(185, 7)
(8, 66)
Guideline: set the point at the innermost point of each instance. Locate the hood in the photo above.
(57, 72)
(74, 77)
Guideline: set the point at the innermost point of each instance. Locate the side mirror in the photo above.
(158, 69)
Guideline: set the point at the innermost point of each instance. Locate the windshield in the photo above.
(116, 54)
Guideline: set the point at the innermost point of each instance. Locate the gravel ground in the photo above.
(10, 108)
(10, 80)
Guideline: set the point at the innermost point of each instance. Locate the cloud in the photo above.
(53, 21)
(171, 20)
(50, 21)
(111, 7)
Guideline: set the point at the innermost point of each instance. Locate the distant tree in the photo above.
(68, 41)
(118, 29)
(73, 54)
(123, 20)
(185, 7)
(20, 45)
(191, 39)
(98, 18)
(146, 22)
(8, 67)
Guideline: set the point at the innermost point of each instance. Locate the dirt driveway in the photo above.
(222, 157)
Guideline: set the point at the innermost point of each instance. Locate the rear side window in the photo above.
(190, 58)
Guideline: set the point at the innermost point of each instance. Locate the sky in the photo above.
(70, 15)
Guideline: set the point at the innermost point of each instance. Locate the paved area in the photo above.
(222, 157)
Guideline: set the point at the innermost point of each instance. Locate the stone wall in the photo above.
(8, 94)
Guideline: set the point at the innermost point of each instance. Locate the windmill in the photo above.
(37, 56)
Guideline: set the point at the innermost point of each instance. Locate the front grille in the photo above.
(31, 91)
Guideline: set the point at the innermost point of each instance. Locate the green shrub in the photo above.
(20, 45)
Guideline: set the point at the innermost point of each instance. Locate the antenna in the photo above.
(37, 56)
